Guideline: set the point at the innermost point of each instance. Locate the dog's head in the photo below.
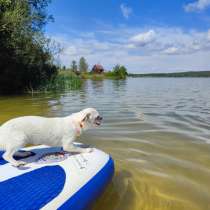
(89, 118)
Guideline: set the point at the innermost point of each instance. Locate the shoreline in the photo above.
(190, 74)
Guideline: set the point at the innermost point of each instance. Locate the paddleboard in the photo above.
(54, 179)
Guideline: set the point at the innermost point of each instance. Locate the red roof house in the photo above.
(97, 69)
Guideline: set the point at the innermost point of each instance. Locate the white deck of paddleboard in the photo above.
(79, 169)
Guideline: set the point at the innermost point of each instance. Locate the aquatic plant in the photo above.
(62, 81)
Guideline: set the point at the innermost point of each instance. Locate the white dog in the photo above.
(18, 132)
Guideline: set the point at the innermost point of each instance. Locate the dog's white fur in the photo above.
(61, 131)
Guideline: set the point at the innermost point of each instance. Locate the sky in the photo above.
(143, 35)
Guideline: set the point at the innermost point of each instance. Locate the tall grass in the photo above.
(64, 80)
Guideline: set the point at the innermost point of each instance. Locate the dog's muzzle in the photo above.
(98, 120)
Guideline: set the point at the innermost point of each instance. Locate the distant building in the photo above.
(97, 69)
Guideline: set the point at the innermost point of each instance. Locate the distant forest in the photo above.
(174, 74)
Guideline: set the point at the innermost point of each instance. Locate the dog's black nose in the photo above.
(99, 118)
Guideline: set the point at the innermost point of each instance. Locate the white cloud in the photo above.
(171, 41)
(198, 5)
(142, 39)
(171, 50)
(126, 11)
(208, 35)
(141, 50)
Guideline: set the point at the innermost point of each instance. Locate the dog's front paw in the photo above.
(19, 164)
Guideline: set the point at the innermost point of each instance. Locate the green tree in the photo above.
(74, 66)
(25, 54)
(83, 66)
(63, 68)
(120, 72)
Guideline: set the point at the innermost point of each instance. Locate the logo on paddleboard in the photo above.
(53, 157)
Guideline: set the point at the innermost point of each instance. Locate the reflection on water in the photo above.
(157, 130)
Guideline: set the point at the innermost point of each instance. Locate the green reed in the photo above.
(62, 81)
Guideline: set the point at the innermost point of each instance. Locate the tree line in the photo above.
(118, 71)
(26, 55)
(175, 74)
(81, 67)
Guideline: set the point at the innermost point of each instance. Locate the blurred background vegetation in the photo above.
(25, 53)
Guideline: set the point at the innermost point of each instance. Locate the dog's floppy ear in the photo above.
(86, 117)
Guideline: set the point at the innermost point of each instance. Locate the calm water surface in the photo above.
(156, 129)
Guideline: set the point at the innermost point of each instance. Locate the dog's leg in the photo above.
(73, 148)
(8, 156)
(16, 141)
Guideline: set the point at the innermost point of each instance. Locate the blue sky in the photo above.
(143, 35)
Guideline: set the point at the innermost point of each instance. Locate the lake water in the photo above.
(156, 129)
